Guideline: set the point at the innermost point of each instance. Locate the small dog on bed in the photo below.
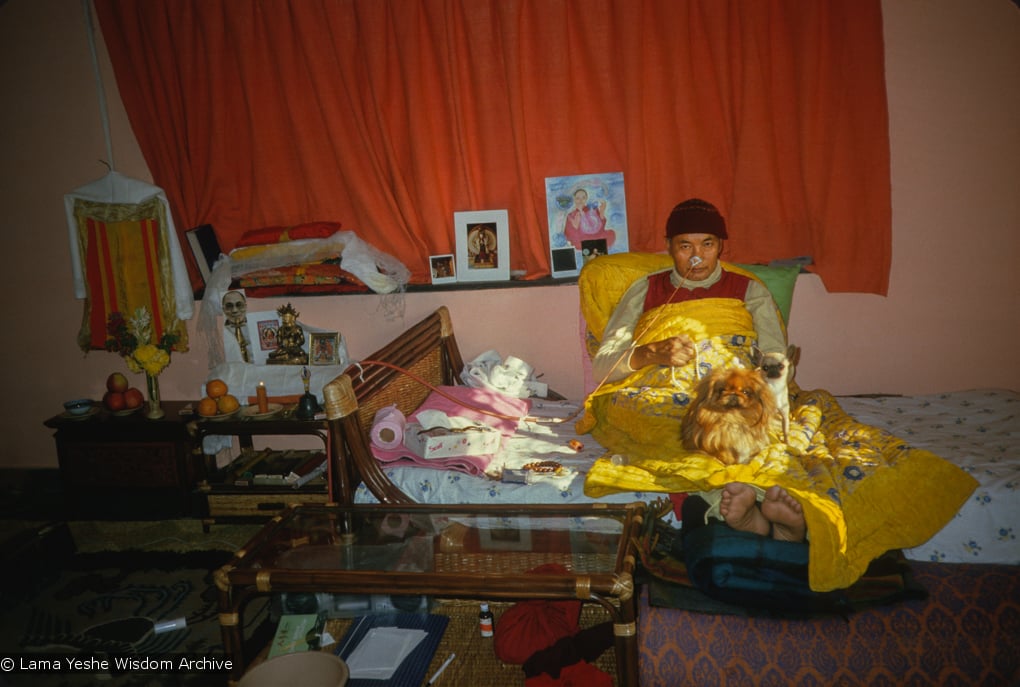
(777, 370)
(729, 418)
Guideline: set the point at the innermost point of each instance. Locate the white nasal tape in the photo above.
(694, 261)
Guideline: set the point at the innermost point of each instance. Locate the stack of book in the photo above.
(270, 468)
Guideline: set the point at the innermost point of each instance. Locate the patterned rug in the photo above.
(100, 607)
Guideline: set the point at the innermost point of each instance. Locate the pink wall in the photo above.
(950, 320)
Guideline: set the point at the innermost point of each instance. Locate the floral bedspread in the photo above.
(978, 430)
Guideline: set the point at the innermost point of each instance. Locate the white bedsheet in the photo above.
(978, 430)
(533, 442)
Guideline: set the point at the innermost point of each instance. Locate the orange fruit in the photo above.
(215, 388)
(227, 403)
(207, 406)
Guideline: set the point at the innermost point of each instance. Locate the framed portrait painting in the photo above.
(483, 245)
(587, 218)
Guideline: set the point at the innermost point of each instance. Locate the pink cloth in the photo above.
(402, 458)
(478, 398)
(486, 399)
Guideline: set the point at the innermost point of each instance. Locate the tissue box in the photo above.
(441, 443)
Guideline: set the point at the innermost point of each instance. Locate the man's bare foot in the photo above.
(785, 513)
(739, 508)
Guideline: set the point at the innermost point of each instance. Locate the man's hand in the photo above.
(674, 351)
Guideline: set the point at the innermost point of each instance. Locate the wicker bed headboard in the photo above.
(428, 351)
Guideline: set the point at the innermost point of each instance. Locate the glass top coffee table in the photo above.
(464, 551)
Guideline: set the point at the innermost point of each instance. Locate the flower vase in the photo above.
(154, 411)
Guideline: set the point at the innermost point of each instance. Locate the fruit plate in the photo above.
(125, 412)
(220, 417)
(252, 412)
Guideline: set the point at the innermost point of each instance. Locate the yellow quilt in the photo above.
(863, 490)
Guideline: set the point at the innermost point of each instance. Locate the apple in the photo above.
(114, 401)
(133, 398)
(117, 382)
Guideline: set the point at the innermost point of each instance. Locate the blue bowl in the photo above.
(79, 406)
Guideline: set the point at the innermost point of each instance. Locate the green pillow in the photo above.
(780, 282)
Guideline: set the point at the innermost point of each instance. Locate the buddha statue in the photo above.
(290, 339)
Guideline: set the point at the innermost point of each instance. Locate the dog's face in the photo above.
(730, 415)
(776, 367)
(735, 389)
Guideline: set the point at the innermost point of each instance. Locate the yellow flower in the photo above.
(150, 359)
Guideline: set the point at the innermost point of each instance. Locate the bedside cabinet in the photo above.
(128, 467)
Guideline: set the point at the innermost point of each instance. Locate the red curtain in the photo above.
(390, 115)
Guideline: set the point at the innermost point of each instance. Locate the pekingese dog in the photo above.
(729, 418)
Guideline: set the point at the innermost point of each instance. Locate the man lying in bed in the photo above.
(842, 481)
(695, 232)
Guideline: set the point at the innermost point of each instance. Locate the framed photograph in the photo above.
(324, 348)
(205, 248)
(443, 269)
(566, 262)
(267, 329)
(594, 248)
(483, 245)
(587, 216)
(507, 533)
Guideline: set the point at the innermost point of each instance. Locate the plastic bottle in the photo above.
(485, 622)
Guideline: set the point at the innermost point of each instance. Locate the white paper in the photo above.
(381, 651)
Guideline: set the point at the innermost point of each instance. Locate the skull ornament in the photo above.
(235, 308)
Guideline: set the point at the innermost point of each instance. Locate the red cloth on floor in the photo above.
(530, 626)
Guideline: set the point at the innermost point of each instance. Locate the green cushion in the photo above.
(780, 282)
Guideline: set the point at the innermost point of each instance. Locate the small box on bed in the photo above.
(445, 443)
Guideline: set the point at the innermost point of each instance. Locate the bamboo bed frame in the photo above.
(428, 351)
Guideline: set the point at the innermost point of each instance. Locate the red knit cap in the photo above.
(695, 216)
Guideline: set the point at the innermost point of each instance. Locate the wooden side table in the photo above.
(234, 492)
(128, 467)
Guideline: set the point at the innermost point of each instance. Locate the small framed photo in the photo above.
(443, 269)
(566, 262)
(267, 328)
(483, 245)
(263, 328)
(324, 348)
(594, 248)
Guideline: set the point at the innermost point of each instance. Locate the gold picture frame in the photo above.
(324, 348)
